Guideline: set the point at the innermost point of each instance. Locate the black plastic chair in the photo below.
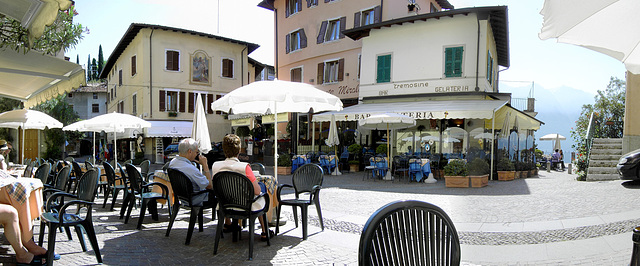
(409, 233)
(306, 179)
(235, 195)
(138, 190)
(183, 196)
(87, 185)
(259, 167)
(112, 187)
(42, 172)
(144, 170)
(401, 165)
(28, 171)
(76, 174)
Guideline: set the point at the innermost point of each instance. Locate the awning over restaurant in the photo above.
(453, 109)
(35, 78)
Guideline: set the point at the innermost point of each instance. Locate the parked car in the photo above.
(170, 152)
(628, 166)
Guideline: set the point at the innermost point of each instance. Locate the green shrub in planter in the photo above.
(355, 148)
(505, 165)
(381, 149)
(356, 162)
(284, 160)
(456, 168)
(478, 167)
(521, 166)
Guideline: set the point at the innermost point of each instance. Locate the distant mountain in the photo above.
(558, 108)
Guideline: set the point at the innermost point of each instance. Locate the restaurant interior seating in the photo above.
(139, 190)
(408, 232)
(183, 196)
(306, 180)
(235, 195)
(87, 185)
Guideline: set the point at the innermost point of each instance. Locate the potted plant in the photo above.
(284, 164)
(439, 172)
(356, 150)
(479, 172)
(506, 170)
(521, 170)
(354, 166)
(455, 174)
(173, 114)
(382, 149)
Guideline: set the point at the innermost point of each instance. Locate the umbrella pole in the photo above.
(275, 132)
(94, 147)
(313, 137)
(22, 145)
(115, 148)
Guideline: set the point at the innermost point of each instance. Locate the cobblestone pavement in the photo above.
(348, 201)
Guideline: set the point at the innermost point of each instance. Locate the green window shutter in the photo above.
(453, 62)
(384, 69)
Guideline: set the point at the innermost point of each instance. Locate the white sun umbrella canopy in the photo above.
(554, 137)
(200, 129)
(600, 25)
(264, 97)
(388, 121)
(334, 140)
(27, 119)
(115, 123)
(80, 126)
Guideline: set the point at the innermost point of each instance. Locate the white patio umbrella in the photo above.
(115, 123)
(27, 119)
(200, 129)
(264, 97)
(599, 25)
(334, 140)
(80, 126)
(388, 121)
(554, 137)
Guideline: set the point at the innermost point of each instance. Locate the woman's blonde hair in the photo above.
(231, 145)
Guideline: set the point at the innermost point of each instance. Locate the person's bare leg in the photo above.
(9, 219)
(264, 228)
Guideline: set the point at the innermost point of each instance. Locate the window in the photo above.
(312, 3)
(331, 30)
(172, 101)
(173, 60)
(453, 61)
(367, 17)
(70, 95)
(227, 68)
(293, 6)
(95, 96)
(134, 105)
(489, 67)
(120, 77)
(296, 40)
(296, 74)
(383, 73)
(331, 71)
(121, 107)
(95, 108)
(433, 8)
(133, 65)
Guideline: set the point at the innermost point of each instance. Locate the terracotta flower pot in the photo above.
(456, 181)
(506, 175)
(284, 170)
(479, 181)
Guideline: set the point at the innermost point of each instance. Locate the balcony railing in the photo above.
(523, 104)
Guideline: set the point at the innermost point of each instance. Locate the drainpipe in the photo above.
(151, 74)
(478, 54)
(242, 66)
(275, 67)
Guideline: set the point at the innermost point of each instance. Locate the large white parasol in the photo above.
(264, 97)
(114, 123)
(600, 25)
(334, 140)
(554, 137)
(388, 121)
(27, 119)
(200, 129)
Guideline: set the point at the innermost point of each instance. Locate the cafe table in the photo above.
(24, 194)
(425, 167)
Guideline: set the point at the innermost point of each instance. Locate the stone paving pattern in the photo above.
(348, 201)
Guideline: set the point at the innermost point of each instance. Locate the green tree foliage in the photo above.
(100, 61)
(608, 113)
(77, 59)
(88, 68)
(55, 137)
(94, 70)
(61, 35)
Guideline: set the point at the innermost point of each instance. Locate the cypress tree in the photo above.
(88, 68)
(100, 60)
(94, 70)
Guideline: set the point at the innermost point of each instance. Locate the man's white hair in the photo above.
(186, 145)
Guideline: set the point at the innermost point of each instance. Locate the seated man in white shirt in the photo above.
(187, 152)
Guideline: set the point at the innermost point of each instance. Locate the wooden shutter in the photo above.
(309, 3)
(377, 16)
(182, 101)
(323, 29)
(303, 39)
(288, 43)
(341, 69)
(191, 102)
(356, 19)
(133, 65)
(384, 69)
(209, 101)
(218, 96)
(457, 62)
(299, 7)
(320, 73)
(343, 24)
(161, 101)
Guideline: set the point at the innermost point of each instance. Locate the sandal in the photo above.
(35, 261)
(263, 236)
